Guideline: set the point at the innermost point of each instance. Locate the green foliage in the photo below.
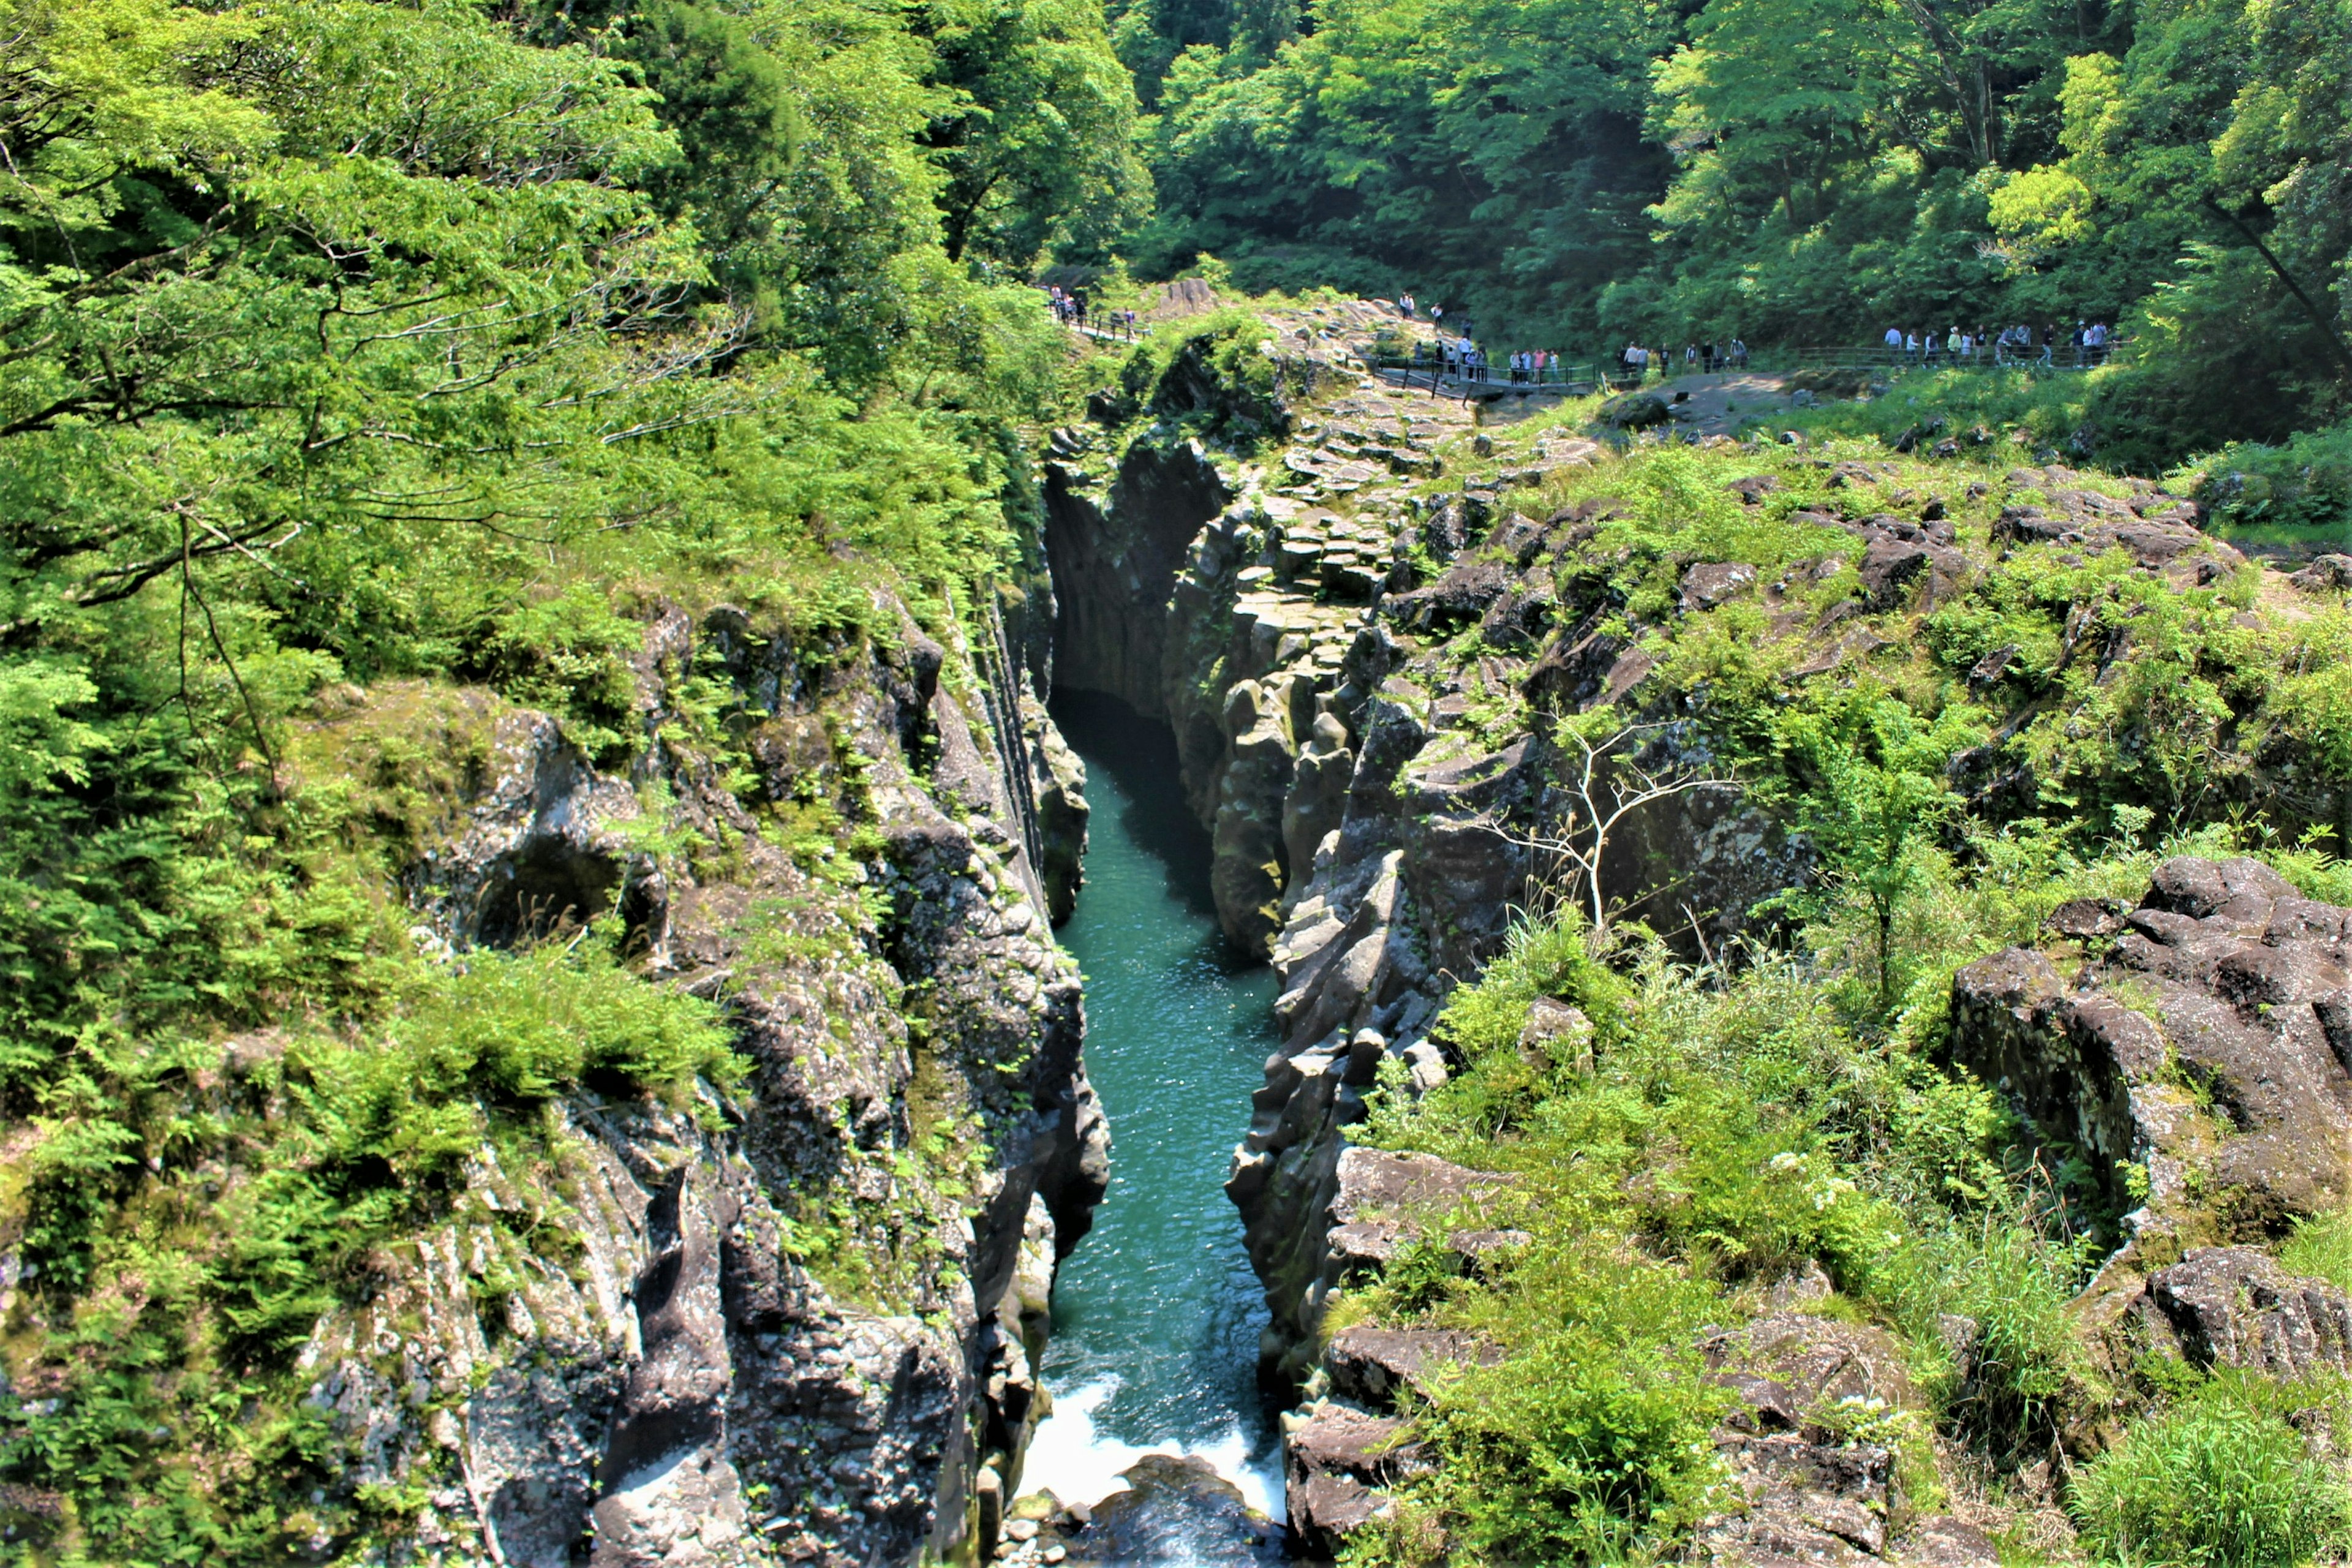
(1869, 786)
(1591, 1447)
(1036, 142)
(1209, 374)
(2305, 482)
(2001, 1270)
(2222, 1478)
(1809, 172)
(1735, 1128)
(2321, 1247)
(361, 357)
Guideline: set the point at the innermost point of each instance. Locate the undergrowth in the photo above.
(1734, 1127)
(2224, 1477)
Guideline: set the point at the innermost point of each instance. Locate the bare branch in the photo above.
(1607, 783)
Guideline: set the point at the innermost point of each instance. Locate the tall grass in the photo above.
(2222, 1480)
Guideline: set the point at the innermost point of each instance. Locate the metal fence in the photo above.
(1439, 374)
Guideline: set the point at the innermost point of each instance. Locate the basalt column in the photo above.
(1115, 548)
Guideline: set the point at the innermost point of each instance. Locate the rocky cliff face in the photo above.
(799, 1325)
(2198, 1048)
(1296, 612)
(1367, 645)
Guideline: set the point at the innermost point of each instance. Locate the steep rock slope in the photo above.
(795, 1319)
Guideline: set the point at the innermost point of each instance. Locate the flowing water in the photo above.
(1156, 1313)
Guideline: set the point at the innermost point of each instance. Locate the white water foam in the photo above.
(1077, 1464)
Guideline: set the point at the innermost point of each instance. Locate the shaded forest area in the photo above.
(1811, 172)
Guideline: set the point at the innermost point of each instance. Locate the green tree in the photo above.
(1868, 777)
(1035, 134)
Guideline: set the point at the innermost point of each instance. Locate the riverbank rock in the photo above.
(1337, 1462)
(1634, 411)
(1172, 1509)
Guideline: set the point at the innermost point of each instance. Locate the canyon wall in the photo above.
(798, 1323)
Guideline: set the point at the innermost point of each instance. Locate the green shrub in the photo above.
(2304, 482)
(2221, 1479)
(1579, 1451)
(2321, 1247)
(2001, 1272)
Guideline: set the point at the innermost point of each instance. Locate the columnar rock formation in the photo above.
(1364, 660)
(779, 1330)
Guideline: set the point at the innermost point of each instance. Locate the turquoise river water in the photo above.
(1156, 1313)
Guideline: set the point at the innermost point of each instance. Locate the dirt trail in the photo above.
(1718, 405)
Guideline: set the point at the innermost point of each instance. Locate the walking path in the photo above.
(1342, 334)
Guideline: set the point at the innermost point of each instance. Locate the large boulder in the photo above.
(1634, 411)
(1172, 1509)
(2208, 1044)
(2232, 1306)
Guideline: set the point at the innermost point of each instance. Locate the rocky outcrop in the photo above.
(2235, 1306)
(1115, 536)
(779, 1328)
(1337, 1462)
(1814, 1489)
(1172, 1509)
(2208, 1042)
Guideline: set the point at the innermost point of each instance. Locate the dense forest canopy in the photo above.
(1789, 170)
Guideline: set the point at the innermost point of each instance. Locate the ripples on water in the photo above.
(1157, 1314)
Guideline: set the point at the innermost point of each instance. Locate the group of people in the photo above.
(1460, 356)
(1634, 361)
(1070, 308)
(1462, 359)
(2088, 344)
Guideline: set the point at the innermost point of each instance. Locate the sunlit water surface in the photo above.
(1156, 1314)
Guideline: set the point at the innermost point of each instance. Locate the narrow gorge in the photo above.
(1371, 620)
(795, 784)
